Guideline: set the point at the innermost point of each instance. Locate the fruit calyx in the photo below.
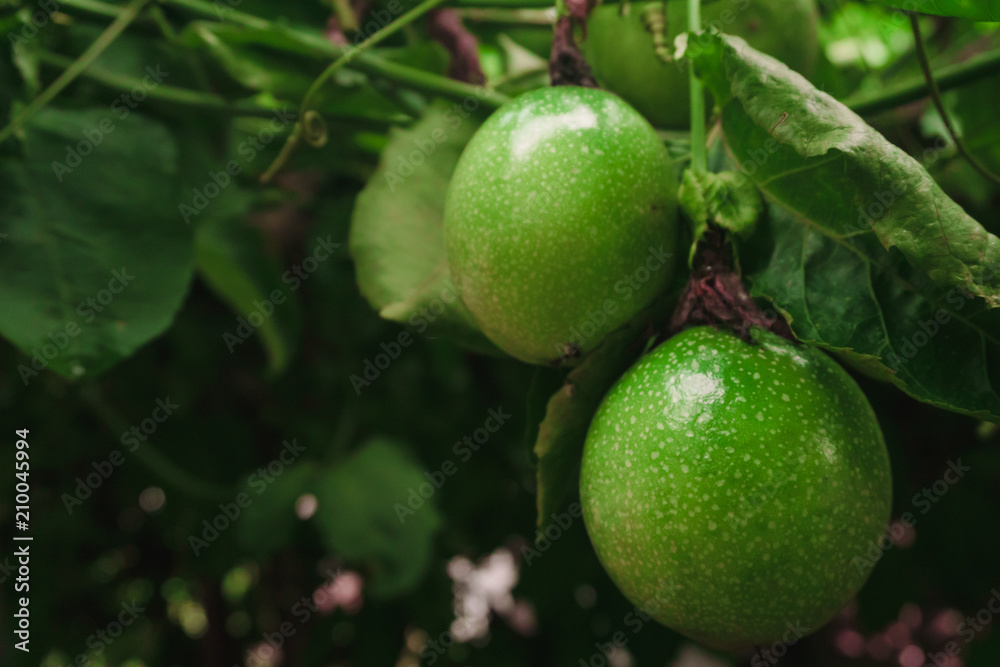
(567, 66)
(715, 294)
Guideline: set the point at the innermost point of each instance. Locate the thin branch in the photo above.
(127, 15)
(925, 65)
(974, 69)
(306, 120)
(409, 77)
(198, 99)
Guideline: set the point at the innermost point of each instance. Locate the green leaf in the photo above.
(268, 524)
(870, 308)
(97, 259)
(232, 260)
(977, 10)
(396, 238)
(727, 199)
(561, 435)
(364, 515)
(816, 156)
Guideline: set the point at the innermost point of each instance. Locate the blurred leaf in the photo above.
(396, 235)
(977, 10)
(870, 308)
(820, 159)
(231, 259)
(726, 199)
(26, 61)
(366, 514)
(268, 524)
(97, 259)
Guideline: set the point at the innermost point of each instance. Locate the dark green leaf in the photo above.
(366, 513)
(78, 228)
(866, 305)
(396, 232)
(562, 434)
(820, 159)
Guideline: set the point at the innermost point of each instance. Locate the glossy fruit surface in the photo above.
(730, 488)
(560, 221)
(620, 49)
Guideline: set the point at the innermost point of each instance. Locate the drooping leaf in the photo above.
(97, 260)
(366, 514)
(396, 237)
(816, 156)
(231, 259)
(561, 435)
(977, 10)
(870, 308)
(727, 199)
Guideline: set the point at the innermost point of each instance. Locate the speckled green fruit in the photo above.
(560, 221)
(621, 53)
(730, 489)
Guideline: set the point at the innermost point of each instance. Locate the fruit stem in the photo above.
(699, 155)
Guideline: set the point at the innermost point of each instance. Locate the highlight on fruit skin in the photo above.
(560, 222)
(630, 47)
(730, 489)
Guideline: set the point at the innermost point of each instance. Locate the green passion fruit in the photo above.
(729, 488)
(622, 54)
(560, 221)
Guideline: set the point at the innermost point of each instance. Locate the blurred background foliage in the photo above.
(451, 582)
